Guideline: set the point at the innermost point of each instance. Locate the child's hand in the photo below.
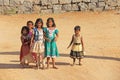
(31, 45)
(47, 39)
(55, 39)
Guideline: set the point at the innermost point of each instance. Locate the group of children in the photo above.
(39, 43)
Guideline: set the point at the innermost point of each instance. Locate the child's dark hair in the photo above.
(39, 20)
(52, 19)
(77, 28)
(30, 22)
(25, 28)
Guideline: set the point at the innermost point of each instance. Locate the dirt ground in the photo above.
(102, 45)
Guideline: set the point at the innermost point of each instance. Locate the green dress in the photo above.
(51, 49)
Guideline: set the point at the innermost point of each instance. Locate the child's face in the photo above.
(50, 23)
(30, 25)
(77, 31)
(39, 24)
(24, 32)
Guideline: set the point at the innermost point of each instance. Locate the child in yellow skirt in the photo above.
(77, 49)
(38, 42)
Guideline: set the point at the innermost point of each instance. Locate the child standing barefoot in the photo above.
(77, 45)
(30, 25)
(38, 38)
(25, 48)
(51, 50)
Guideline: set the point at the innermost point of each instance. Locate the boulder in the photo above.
(83, 6)
(75, 7)
(65, 1)
(75, 1)
(101, 4)
(67, 7)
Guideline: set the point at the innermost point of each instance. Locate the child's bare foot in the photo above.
(23, 65)
(47, 67)
(80, 64)
(55, 67)
(43, 68)
(73, 64)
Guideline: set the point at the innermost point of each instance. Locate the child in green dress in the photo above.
(51, 50)
(77, 49)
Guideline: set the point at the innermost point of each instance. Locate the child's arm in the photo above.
(32, 39)
(57, 35)
(22, 40)
(44, 36)
(82, 43)
(71, 42)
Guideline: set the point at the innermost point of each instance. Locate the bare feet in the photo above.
(55, 67)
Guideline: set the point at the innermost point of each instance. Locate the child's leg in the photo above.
(53, 62)
(23, 63)
(38, 61)
(42, 61)
(48, 62)
(74, 61)
(79, 61)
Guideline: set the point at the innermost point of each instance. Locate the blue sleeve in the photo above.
(56, 31)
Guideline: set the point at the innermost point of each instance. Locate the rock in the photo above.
(67, 7)
(107, 7)
(48, 11)
(94, 1)
(49, 2)
(101, 4)
(16, 2)
(26, 7)
(36, 1)
(1, 2)
(74, 1)
(50, 6)
(43, 7)
(112, 3)
(36, 9)
(118, 3)
(99, 9)
(6, 2)
(86, 0)
(46, 2)
(57, 8)
(1, 10)
(83, 6)
(75, 7)
(92, 6)
(65, 1)
(54, 1)
(101, 0)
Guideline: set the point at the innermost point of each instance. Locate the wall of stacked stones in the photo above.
(56, 6)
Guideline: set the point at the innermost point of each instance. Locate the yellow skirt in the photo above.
(76, 47)
(38, 47)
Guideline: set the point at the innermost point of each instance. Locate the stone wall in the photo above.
(56, 6)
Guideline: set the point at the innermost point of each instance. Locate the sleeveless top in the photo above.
(77, 39)
(77, 43)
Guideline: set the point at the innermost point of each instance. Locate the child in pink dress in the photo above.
(25, 48)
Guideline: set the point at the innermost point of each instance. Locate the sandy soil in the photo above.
(102, 44)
